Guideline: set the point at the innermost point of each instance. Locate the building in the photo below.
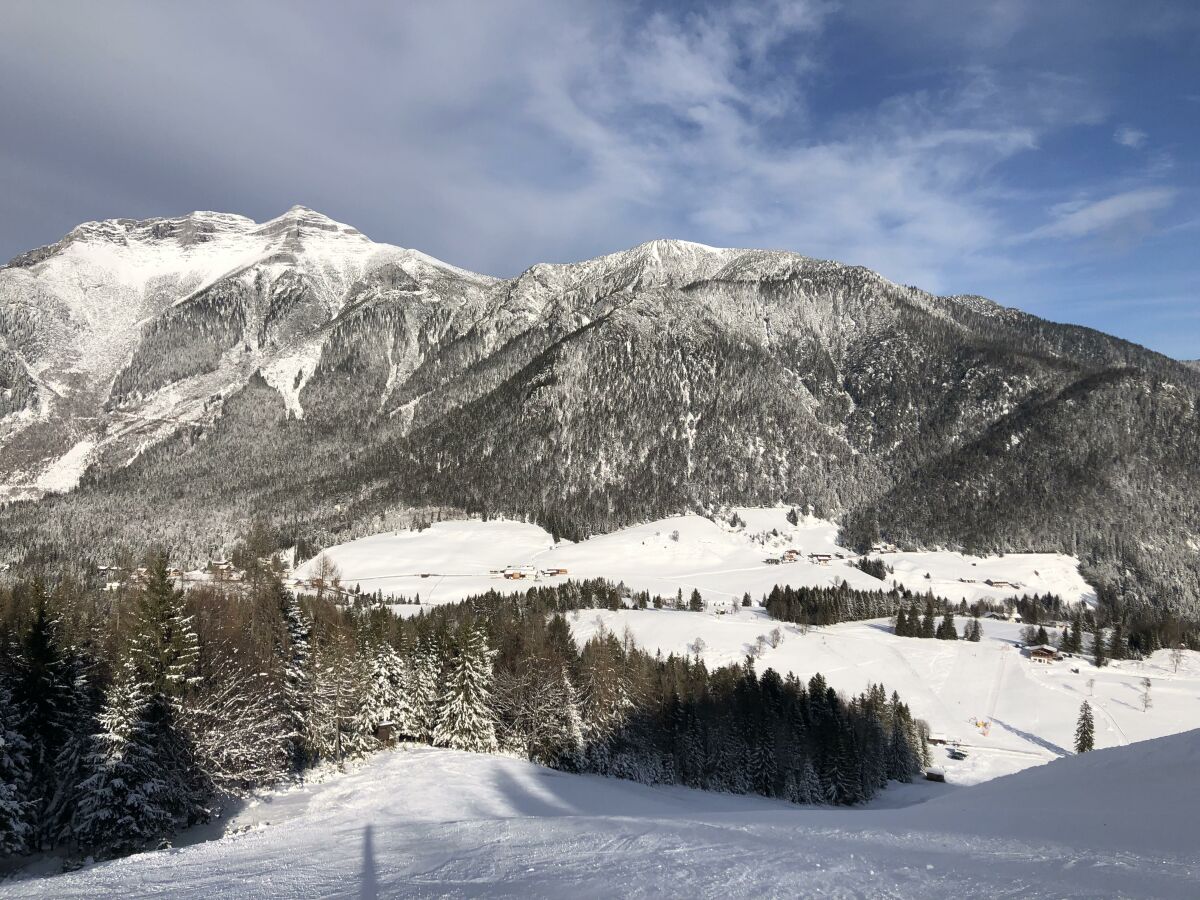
(791, 555)
(820, 559)
(1043, 654)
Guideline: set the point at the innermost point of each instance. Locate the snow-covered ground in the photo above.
(1031, 708)
(682, 552)
(423, 822)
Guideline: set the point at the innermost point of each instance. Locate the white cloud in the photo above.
(1127, 136)
(1129, 211)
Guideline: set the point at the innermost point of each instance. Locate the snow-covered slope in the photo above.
(1009, 712)
(422, 822)
(454, 559)
(1030, 711)
(86, 317)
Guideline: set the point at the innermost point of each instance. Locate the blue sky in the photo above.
(1043, 154)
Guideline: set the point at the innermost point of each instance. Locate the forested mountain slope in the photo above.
(207, 370)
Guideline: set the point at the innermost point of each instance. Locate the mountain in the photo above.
(190, 375)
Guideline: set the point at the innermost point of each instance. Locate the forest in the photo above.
(128, 715)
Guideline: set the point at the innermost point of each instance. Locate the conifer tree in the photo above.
(426, 693)
(1085, 729)
(296, 693)
(1075, 635)
(44, 692)
(384, 697)
(946, 630)
(125, 804)
(928, 628)
(1117, 648)
(466, 720)
(165, 649)
(1099, 651)
(16, 831)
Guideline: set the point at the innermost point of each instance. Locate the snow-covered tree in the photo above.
(296, 689)
(16, 831)
(238, 729)
(425, 693)
(1085, 729)
(385, 696)
(165, 649)
(126, 803)
(466, 720)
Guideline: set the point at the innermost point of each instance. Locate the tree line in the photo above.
(127, 715)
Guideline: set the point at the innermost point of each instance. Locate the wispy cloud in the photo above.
(1128, 136)
(1120, 214)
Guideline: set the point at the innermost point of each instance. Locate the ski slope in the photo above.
(424, 822)
(721, 560)
(1032, 709)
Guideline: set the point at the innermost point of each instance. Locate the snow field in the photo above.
(951, 684)
(424, 822)
(678, 553)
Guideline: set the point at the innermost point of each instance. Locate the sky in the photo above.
(1043, 154)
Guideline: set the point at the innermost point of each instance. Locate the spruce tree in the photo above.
(466, 720)
(296, 693)
(383, 697)
(696, 602)
(426, 693)
(16, 811)
(165, 649)
(1099, 651)
(1085, 729)
(125, 804)
(928, 629)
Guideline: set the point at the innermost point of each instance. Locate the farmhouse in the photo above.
(1043, 654)
(820, 559)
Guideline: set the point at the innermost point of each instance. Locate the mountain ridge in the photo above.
(299, 371)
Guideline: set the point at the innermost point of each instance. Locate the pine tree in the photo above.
(1085, 729)
(1075, 636)
(16, 811)
(808, 788)
(426, 694)
(946, 631)
(466, 720)
(571, 723)
(125, 804)
(928, 630)
(384, 699)
(1117, 647)
(335, 699)
(44, 692)
(165, 649)
(901, 623)
(696, 602)
(1099, 651)
(296, 692)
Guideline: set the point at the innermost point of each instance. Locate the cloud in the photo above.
(1123, 213)
(1130, 137)
(499, 135)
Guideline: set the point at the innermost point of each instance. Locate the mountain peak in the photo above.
(301, 220)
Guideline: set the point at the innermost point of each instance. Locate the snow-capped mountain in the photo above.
(206, 370)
